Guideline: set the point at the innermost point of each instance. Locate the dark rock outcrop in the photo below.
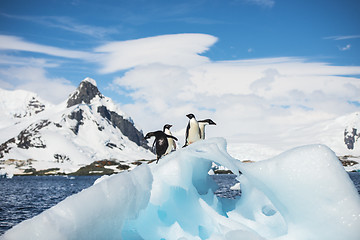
(84, 94)
(350, 137)
(61, 158)
(97, 168)
(34, 107)
(124, 125)
(78, 116)
(27, 138)
(6, 147)
(113, 145)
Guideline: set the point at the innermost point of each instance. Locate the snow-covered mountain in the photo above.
(19, 104)
(342, 135)
(87, 127)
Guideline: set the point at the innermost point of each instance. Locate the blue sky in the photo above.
(269, 28)
(168, 58)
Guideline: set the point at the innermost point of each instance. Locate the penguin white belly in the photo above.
(170, 142)
(194, 132)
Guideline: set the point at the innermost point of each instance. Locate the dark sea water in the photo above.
(22, 198)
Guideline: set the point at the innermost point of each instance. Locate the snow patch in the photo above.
(90, 80)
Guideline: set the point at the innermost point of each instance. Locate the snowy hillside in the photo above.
(18, 105)
(303, 193)
(339, 134)
(342, 135)
(87, 127)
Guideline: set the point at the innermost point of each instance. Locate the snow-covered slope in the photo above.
(340, 134)
(18, 105)
(89, 127)
(85, 128)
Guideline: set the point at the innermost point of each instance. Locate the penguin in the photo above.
(160, 142)
(171, 142)
(202, 124)
(192, 130)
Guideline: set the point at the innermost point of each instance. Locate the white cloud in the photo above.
(15, 43)
(262, 3)
(34, 79)
(29, 73)
(251, 97)
(27, 61)
(347, 47)
(176, 50)
(337, 38)
(167, 77)
(66, 23)
(264, 83)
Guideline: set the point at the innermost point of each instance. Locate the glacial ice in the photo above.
(303, 193)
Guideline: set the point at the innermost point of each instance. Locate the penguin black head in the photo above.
(155, 134)
(210, 122)
(190, 116)
(167, 126)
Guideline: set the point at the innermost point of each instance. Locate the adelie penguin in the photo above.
(171, 142)
(193, 133)
(161, 142)
(202, 124)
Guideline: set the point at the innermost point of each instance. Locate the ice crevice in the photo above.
(303, 193)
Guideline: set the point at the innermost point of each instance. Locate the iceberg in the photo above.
(303, 193)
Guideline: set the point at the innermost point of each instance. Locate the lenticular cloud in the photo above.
(176, 50)
(303, 193)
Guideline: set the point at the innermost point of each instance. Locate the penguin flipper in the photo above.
(169, 136)
(187, 134)
(153, 146)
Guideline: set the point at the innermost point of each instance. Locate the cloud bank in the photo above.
(15, 43)
(169, 76)
(30, 73)
(174, 50)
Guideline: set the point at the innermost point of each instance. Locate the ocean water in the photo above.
(24, 197)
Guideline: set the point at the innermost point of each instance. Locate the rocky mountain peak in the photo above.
(84, 94)
(34, 106)
(86, 91)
